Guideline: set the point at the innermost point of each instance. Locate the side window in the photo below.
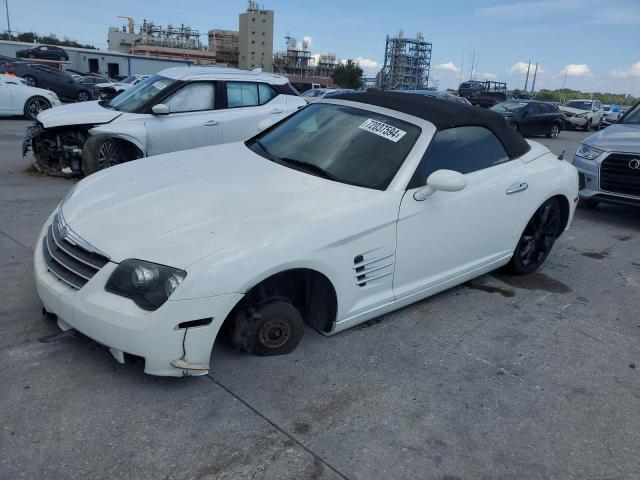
(242, 94)
(535, 109)
(193, 97)
(265, 93)
(597, 104)
(463, 149)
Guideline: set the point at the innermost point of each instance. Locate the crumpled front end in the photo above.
(57, 151)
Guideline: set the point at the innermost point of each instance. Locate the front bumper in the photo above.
(117, 323)
(589, 183)
(576, 121)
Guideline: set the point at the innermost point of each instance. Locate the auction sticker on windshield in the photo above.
(159, 84)
(382, 129)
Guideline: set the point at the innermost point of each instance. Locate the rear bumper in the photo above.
(117, 323)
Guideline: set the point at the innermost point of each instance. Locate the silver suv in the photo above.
(608, 163)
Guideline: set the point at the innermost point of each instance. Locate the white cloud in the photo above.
(366, 63)
(632, 72)
(447, 67)
(520, 68)
(577, 70)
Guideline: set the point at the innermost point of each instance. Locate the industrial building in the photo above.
(407, 62)
(256, 38)
(300, 66)
(225, 45)
(151, 40)
(103, 62)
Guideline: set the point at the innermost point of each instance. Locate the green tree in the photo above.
(348, 75)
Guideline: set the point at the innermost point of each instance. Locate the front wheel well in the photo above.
(564, 212)
(311, 292)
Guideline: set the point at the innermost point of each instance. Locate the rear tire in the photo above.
(83, 96)
(554, 131)
(98, 153)
(34, 105)
(31, 55)
(271, 328)
(537, 239)
(31, 81)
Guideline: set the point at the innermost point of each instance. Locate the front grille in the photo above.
(620, 173)
(67, 258)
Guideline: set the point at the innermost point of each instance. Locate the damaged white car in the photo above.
(179, 108)
(349, 209)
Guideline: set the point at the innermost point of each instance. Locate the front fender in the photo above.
(136, 135)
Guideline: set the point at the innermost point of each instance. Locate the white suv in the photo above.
(585, 114)
(177, 109)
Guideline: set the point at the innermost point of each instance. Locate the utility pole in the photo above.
(535, 74)
(461, 67)
(526, 82)
(6, 5)
(473, 60)
(564, 82)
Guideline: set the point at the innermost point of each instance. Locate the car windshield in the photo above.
(506, 107)
(130, 79)
(136, 97)
(580, 105)
(633, 117)
(343, 144)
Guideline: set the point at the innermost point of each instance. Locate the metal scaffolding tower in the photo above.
(406, 63)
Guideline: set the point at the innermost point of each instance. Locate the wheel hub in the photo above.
(274, 333)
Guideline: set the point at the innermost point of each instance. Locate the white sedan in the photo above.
(349, 209)
(18, 98)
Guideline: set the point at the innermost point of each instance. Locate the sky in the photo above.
(590, 45)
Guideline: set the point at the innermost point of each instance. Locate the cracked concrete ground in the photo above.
(500, 378)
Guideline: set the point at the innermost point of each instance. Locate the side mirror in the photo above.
(443, 180)
(160, 109)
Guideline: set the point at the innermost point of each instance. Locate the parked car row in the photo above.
(51, 78)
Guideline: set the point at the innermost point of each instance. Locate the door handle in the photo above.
(275, 111)
(517, 187)
(211, 123)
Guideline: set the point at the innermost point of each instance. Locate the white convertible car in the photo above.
(349, 209)
(18, 98)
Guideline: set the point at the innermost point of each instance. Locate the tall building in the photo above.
(406, 63)
(256, 38)
(225, 45)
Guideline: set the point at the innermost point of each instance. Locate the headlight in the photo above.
(590, 153)
(149, 285)
(582, 115)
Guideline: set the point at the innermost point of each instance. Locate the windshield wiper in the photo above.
(301, 165)
(309, 167)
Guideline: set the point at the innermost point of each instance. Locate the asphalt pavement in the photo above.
(501, 378)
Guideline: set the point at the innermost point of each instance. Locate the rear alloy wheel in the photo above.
(34, 106)
(31, 81)
(32, 55)
(83, 96)
(554, 131)
(271, 328)
(98, 153)
(537, 239)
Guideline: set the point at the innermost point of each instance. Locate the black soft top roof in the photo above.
(445, 114)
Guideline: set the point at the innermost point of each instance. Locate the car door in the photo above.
(192, 121)
(533, 120)
(597, 112)
(251, 107)
(451, 234)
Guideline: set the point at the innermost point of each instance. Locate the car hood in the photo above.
(80, 113)
(572, 110)
(177, 208)
(617, 138)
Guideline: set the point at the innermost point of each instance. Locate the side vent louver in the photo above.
(373, 267)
